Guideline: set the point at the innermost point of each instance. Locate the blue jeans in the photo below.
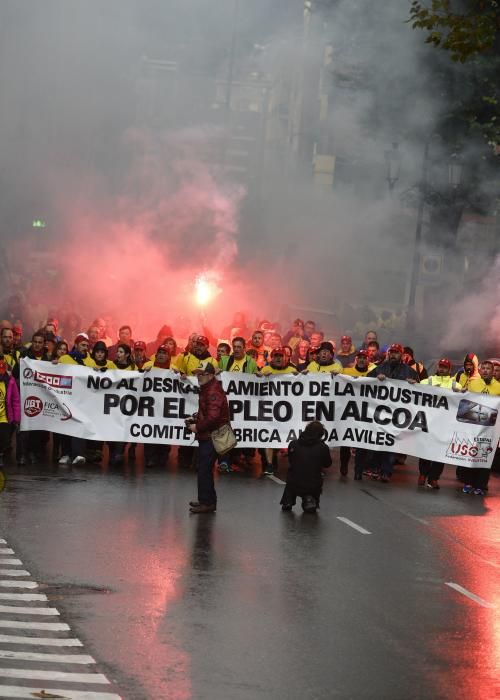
(206, 461)
(387, 462)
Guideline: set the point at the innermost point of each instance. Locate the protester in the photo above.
(361, 365)
(486, 382)
(11, 355)
(213, 413)
(309, 328)
(409, 358)
(496, 370)
(17, 330)
(223, 350)
(476, 478)
(93, 334)
(197, 359)
(347, 353)
(300, 355)
(317, 337)
(361, 457)
(239, 361)
(10, 409)
(295, 334)
(325, 361)
(263, 351)
(370, 337)
(124, 338)
(392, 368)
(374, 354)
(308, 456)
(79, 354)
(100, 357)
(470, 370)
(123, 357)
(430, 471)
(139, 354)
(100, 324)
(161, 338)
(279, 364)
(162, 360)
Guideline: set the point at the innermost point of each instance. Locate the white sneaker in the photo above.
(79, 460)
(64, 459)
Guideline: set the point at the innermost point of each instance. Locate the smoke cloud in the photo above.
(117, 133)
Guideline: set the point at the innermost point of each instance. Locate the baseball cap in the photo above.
(139, 345)
(395, 347)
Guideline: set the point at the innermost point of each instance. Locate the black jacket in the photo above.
(307, 457)
(397, 370)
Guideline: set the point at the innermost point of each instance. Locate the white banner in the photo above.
(393, 416)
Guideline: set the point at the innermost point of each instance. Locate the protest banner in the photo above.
(394, 416)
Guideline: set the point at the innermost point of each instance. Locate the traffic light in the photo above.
(38, 223)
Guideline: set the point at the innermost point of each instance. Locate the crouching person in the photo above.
(307, 457)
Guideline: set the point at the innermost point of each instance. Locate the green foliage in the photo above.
(469, 30)
(465, 34)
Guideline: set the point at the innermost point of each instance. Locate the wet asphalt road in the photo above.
(253, 603)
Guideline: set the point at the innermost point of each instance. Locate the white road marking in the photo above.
(25, 597)
(468, 594)
(18, 584)
(49, 658)
(353, 525)
(275, 479)
(36, 674)
(21, 610)
(39, 641)
(13, 581)
(52, 626)
(16, 691)
(13, 562)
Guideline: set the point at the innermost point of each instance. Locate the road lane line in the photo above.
(66, 676)
(39, 641)
(6, 551)
(468, 594)
(13, 562)
(14, 572)
(354, 525)
(16, 691)
(21, 610)
(52, 626)
(25, 597)
(82, 659)
(18, 584)
(275, 479)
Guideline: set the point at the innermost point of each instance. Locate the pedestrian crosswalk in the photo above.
(28, 666)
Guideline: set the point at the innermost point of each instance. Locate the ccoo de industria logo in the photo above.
(57, 381)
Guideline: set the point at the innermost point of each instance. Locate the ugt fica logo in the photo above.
(33, 406)
(57, 381)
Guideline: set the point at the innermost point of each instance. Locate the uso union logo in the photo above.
(33, 406)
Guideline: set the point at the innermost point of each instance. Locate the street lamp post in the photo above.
(393, 163)
(410, 314)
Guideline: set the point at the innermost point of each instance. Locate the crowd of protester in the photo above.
(262, 350)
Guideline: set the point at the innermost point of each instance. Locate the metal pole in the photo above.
(232, 52)
(410, 314)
